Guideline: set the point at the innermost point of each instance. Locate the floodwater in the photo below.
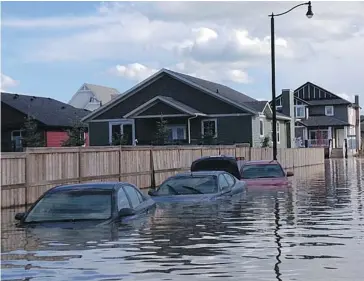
(315, 231)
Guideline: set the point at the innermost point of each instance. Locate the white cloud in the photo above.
(7, 82)
(135, 71)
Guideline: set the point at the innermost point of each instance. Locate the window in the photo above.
(123, 201)
(120, 131)
(176, 132)
(300, 111)
(223, 183)
(329, 110)
(261, 127)
(230, 179)
(16, 138)
(209, 127)
(182, 185)
(255, 171)
(278, 102)
(133, 195)
(278, 133)
(94, 100)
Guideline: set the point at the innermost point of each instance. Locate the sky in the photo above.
(51, 48)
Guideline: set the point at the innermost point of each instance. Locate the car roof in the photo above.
(215, 157)
(261, 162)
(88, 186)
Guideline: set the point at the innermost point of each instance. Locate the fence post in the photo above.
(120, 163)
(80, 174)
(26, 177)
(152, 182)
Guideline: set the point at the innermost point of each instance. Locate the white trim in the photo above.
(109, 120)
(177, 126)
(304, 111)
(150, 80)
(228, 115)
(160, 115)
(278, 127)
(209, 120)
(283, 118)
(261, 127)
(327, 107)
(122, 122)
(271, 111)
(152, 102)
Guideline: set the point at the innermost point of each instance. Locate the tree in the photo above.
(31, 136)
(209, 134)
(161, 136)
(76, 135)
(119, 139)
(266, 142)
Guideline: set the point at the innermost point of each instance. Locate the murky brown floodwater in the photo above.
(313, 232)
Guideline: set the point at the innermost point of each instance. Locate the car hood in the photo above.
(273, 182)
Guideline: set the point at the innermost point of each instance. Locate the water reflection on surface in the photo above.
(312, 232)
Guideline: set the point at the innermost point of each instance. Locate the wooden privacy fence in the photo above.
(25, 176)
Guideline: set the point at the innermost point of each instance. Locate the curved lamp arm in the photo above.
(286, 12)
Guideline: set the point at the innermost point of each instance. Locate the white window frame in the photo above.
(261, 127)
(278, 127)
(208, 120)
(21, 137)
(329, 107)
(174, 131)
(304, 111)
(121, 124)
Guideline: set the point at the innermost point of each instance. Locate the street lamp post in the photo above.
(309, 14)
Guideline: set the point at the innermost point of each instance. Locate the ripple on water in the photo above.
(312, 232)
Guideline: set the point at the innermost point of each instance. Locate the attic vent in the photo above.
(63, 107)
(15, 96)
(31, 99)
(217, 90)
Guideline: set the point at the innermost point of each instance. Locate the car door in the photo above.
(231, 181)
(224, 187)
(136, 199)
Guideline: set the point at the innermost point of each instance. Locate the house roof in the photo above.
(48, 111)
(222, 92)
(313, 121)
(168, 100)
(328, 102)
(257, 105)
(102, 93)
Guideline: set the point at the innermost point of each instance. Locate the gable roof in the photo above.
(48, 111)
(219, 91)
(328, 102)
(167, 100)
(322, 89)
(102, 93)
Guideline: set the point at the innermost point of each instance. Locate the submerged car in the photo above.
(254, 173)
(198, 186)
(265, 173)
(87, 204)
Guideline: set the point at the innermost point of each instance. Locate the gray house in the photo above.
(190, 105)
(321, 116)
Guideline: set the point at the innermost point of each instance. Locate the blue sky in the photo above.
(52, 48)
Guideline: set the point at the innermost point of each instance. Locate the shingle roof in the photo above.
(103, 94)
(46, 110)
(257, 105)
(186, 108)
(328, 102)
(217, 88)
(313, 121)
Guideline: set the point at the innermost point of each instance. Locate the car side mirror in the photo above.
(290, 174)
(19, 216)
(151, 192)
(125, 212)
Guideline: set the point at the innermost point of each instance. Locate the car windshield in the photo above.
(72, 205)
(262, 171)
(189, 185)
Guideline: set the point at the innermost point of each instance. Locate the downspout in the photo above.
(189, 127)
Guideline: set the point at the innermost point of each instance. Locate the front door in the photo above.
(340, 137)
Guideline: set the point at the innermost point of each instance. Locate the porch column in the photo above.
(329, 133)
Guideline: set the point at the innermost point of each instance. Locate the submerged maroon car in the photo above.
(260, 173)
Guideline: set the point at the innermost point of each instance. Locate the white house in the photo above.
(91, 96)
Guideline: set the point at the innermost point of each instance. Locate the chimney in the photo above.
(357, 123)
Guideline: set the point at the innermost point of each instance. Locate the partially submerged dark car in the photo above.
(86, 204)
(198, 186)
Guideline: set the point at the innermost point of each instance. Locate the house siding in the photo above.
(340, 111)
(257, 139)
(171, 87)
(161, 108)
(98, 133)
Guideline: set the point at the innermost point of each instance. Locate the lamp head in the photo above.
(309, 13)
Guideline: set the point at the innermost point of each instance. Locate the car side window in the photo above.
(223, 184)
(133, 195)
(230, 179)
(123, 201)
